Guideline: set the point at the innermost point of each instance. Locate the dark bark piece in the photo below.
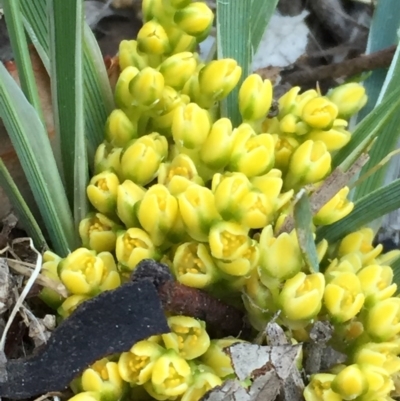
(109, 323)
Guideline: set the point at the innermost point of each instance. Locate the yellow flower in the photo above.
(98, 232)
(217, 359)
(179, 40)
(119, 129)
(178, 68)
(360, 242)
(279, 257)
(190, 126)
(319, 112)
(179, 3)
(287, 101)
(376, 283)
(204, 380)
(382, 322)
(81, 272)
(146, 87)
(141, 160)
(255, 97)
(319, 388)
(216, 149)
(292, 124)
(132, 247)
(350, 98)
(379, 382)
(102, 192)
(152, 39)
(193, 265)
(218, 78)
(107, 158)
(111, 278)
(171, 375)
(350, 383)
(198, 212)
(284, 148)
(136, 366)
(335, 138)
(86, 396)
(123, 96)
(70, 304)
(335, 209)
(157, 213)
(49, 269)
(179, 174)
(188, 337)
(343, 296)
(127, 196)
(301, 296)
(309, 163)
(383, 355)
(195, 19)
(252, 154)
(103, 377)
(129, 56)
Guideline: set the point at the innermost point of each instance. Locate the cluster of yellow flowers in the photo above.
(176, 182)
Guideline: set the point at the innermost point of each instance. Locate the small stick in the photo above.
(347, 68)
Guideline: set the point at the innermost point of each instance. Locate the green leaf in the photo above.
(369, 128)
(38, 163)
(261, 13)
(382, 34)
(234, 41)
(15, 29)
(20, 207)
(304, 229)
(372, 206)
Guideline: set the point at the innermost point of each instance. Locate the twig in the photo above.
(347, 68)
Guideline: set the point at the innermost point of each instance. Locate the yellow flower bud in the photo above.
(319, 388)
(255, 97)
(188, 337)
(193, 265)
(49, 269)
(119, 129)
(292, 124)
(157, 213)
(107, 158)
(335, 138)
(111, 278)
(102, 192)
(350, 98)
(179, 40)
(350, 382)
(301, 296)
(156, 9)
(136, 366)
(190, 126)
(178, 68)
(179, 174)
(179, 3)
(146, 87)
(376, 283)
(217, 359)
(98, 232)
(171, 374)
(284, 148)
(132, 247)
(141, 160)
(152, 39)
(195, 19)
(319, 112)
(360, 242)
(123, 96)
(70, 304)
(252, 154)
(382, 322)
(127, 196)
(343, 297)
(216, 149)
(335, 209)
(279, 257)
(129, 55)
(309, 163)
(218, 78)
(287, 101)
(103, 377)
(87, 396)
(379, 382)
(198, 212)
(203, 382)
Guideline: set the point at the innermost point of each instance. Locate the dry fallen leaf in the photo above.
(5, 286)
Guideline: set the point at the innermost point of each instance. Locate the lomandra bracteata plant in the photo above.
(176, 183)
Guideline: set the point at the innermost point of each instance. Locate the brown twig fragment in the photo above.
(346, 68)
